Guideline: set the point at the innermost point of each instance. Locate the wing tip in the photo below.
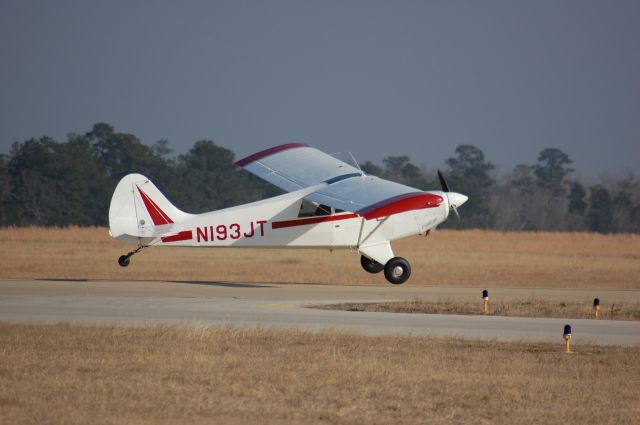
(270, 151)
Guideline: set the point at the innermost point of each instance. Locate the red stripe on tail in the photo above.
(157, 215)
(185, 235)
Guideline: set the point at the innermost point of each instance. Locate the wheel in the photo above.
(372, 266)
(124, 260)
(397, 270)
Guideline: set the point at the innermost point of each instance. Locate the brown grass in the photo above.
(472, 258)
(530, 307)
(58, 374)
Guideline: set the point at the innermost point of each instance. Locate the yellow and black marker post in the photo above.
(596, 308)
(567, 338)
(485, 301)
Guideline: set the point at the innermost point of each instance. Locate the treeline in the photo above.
(51, 183)
(539, 196)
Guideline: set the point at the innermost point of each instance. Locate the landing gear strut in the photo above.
(124, 260)
(397, 270)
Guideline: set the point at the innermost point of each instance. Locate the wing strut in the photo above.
(380, 223)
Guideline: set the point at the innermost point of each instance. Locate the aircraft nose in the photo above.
(456, 199)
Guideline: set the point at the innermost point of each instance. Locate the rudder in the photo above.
(138, 209)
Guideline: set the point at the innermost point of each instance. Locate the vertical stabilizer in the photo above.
(138, 208)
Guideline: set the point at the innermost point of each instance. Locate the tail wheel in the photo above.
(371, 266)
(124, 260)
(397, 270)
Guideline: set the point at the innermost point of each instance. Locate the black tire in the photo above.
(124, 260)
(397, 270)
(371, 266)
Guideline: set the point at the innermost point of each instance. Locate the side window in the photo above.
(312, 209)
(322, 210)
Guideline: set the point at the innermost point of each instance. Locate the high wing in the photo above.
(294, 166)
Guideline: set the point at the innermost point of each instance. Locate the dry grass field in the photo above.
(530, 307)
(62, 374)
(471, 258)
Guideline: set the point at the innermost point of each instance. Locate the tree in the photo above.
(85, 189)
(5, 189)
(577, 194)
(56, 183)
(533, 197)
(523, 178)
(600, 212)
(577, 206)
(370, 168)
(624, 206)
(34, 189)
(470, 173)
(161, 148)
(401, 170)
(209, 180)
(395, 164)
(121, 154)
(401, 167)
(511, 206)
(551, 170)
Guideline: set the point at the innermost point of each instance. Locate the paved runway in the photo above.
(282, 306)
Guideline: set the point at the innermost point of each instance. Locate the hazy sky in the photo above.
(376, 78)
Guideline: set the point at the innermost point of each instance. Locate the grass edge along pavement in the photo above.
(525, 307)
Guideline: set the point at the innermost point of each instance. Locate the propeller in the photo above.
(455, 199)
(443, 182)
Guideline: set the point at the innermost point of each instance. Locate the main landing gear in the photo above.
(124, 260)
(397, 270)
(371, 266)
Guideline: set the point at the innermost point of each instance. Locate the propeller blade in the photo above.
(443, 182)
(453, 198)
(455, 211)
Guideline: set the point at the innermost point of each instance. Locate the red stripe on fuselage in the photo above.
(185, 235)
(401, 203)
(310, 220)
(157, 215)
(395, 205)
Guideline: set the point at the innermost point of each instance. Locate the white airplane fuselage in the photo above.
(275, 222)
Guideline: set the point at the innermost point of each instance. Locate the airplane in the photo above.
(329, 204)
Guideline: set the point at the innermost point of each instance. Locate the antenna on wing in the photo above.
(355, 162)
(357, 165)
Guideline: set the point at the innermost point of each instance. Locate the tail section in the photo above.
(139, 210)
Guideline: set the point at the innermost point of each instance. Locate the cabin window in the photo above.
(313, 209)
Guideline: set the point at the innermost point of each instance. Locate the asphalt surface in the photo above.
(283, 306)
